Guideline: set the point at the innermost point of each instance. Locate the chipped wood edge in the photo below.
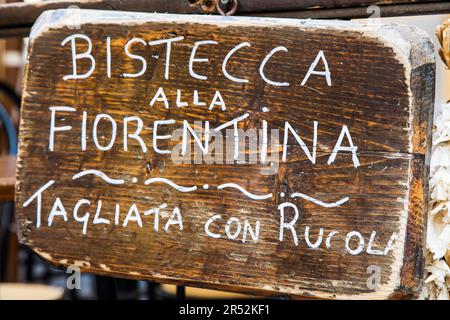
(422, 108)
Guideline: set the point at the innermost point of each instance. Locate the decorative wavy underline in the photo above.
(253, 196)
(99, 174)
(248, 194)
(170, 183)
(318, 202)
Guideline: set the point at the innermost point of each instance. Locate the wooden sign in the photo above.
(269, 156)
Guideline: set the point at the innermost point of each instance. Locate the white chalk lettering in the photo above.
(160, 96)
(263, 65)
(95, 131)
(288, 225)
(85, 218)
(168, 43)
(192, 59)
(311, 70)
(288, 128)
(133, 215)
(174, 219)
(225, 62)
(135, 135)
(338, 147)
(360, 247)
(77, 56)
(208, 223)
(38, 196)
(135, 57)
(57, 210)
(53, 128)
(157, 137)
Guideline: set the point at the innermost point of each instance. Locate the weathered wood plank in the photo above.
(7, 177)
(369, 203)
(385, 10)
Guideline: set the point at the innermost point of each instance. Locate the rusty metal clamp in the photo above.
(231, 12)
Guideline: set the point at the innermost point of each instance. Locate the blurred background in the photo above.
(23, 275)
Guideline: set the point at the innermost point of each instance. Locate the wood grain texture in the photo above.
(290, 5)
(382, 89)
(17, 14)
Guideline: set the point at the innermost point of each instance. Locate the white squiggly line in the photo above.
(248, 194)
(170, 183)
(99, 174)
(318, 202)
